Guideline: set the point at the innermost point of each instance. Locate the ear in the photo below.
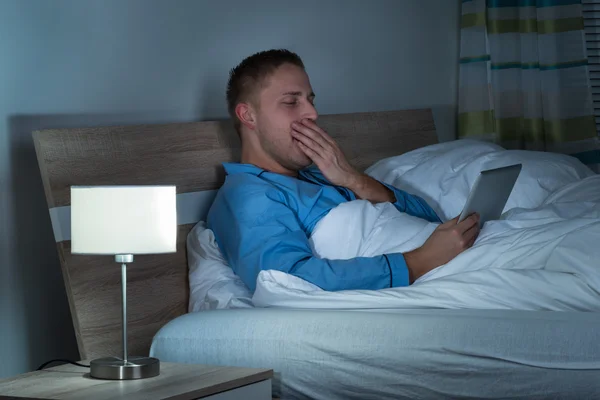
(245, 114)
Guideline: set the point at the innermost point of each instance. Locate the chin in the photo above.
(303, 163)
(299, 159)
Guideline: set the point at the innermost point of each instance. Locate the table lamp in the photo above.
(122, 221)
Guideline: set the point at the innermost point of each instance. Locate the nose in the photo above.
(310, 112)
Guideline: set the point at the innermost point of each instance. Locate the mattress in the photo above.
(397, 354)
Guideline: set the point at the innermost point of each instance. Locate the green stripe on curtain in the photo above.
(568, 64)
(510, 65)
(476, 123)
(543, 67)
(572, 129)
(512, 25)
(521, 129)
(530, 3)
(527, 129)
(468, 60)
(499, 26)
(471, 20)
(549, 131)
(560, 25)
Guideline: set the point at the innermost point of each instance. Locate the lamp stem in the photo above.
(113, 367)
(124, 304)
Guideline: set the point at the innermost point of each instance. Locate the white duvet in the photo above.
(544, 254)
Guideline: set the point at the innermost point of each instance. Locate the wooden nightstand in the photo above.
(176, 381)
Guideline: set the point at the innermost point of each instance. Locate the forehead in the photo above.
(287, 78)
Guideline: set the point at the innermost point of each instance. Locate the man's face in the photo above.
(285, 97)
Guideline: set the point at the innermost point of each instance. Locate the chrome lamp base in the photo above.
(124, 368)
(116, 369)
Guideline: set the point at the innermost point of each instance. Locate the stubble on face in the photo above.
(285, 97)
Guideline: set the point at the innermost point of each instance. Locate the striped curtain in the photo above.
(524, 79)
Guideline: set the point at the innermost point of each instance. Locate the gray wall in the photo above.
(67, 63)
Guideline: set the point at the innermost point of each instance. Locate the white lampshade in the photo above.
(114, 220)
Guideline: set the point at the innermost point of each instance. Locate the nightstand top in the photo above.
(176, 381)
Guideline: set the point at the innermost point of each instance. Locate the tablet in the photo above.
(490, 193)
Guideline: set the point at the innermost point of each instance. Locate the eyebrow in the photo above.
(312, 94)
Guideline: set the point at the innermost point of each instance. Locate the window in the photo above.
(591, 22)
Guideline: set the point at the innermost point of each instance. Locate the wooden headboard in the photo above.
(188, 155)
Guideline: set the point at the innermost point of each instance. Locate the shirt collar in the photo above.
(238, 168)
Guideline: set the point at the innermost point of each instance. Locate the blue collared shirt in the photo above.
(262, 221)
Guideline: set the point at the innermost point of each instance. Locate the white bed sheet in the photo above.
(552, 219)
(410, 354)
(545, 258)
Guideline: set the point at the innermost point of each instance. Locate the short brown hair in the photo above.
(251, 73)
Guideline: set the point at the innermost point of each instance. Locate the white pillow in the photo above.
(213, 285)
(444, 173)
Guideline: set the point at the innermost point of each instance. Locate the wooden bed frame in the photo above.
(188, 155)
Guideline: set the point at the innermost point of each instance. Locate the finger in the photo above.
(308, 142)
(313, 125)
(476, 233)
(453, 221)
(310, 153)
(471, 234)
(468, 223)
(471, 242)
(311, 133)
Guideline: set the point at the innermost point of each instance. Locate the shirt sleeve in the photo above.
(405, 202)
(269, 237)
(413, 205)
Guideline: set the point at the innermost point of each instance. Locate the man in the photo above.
(270, 203)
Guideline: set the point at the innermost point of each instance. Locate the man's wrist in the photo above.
(414, 263)
(356, 182)
(392, 194)
(368, 188)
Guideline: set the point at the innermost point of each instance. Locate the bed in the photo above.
(335, 353)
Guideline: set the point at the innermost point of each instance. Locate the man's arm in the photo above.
(273, 240)
(268, 236)
(332, 163)
(256, 232)
(368, 188)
